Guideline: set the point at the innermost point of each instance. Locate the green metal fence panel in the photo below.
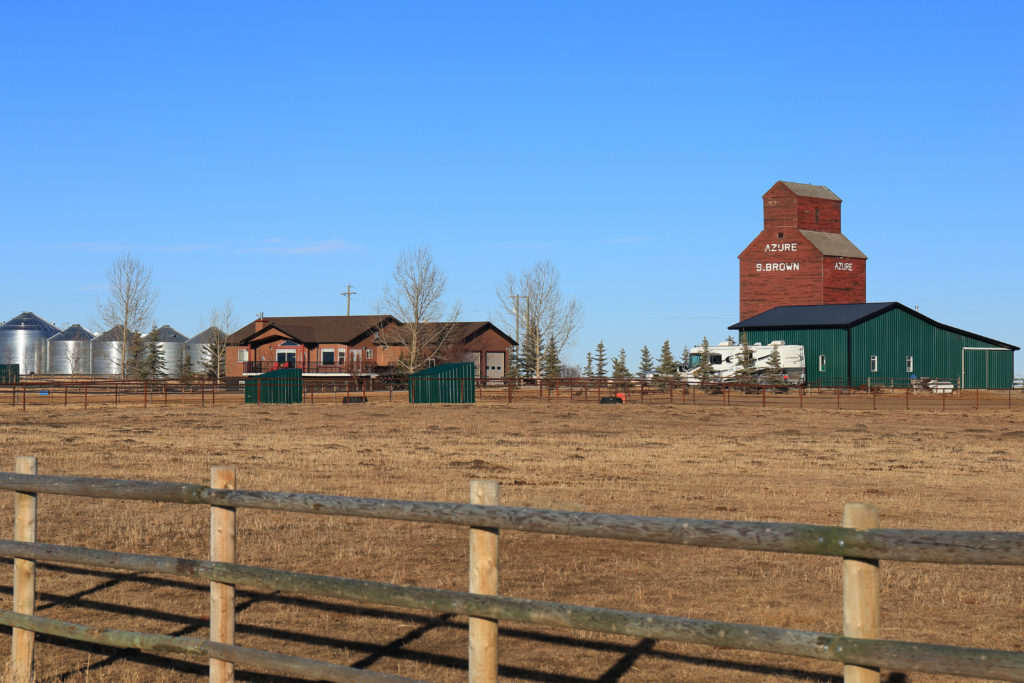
(448, 383)
(9, 374)
(279, 386)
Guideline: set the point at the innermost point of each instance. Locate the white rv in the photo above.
(725, 359)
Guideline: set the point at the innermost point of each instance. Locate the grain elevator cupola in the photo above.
(801, 256)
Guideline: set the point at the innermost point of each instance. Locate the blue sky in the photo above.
(272, 153)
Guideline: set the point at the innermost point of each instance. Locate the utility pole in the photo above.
(348, 294)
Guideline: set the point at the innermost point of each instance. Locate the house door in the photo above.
(285, 358)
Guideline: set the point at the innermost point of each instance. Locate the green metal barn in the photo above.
(882, 343)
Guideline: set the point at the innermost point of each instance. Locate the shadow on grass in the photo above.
(373, 652)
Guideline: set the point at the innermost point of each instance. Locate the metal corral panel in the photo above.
(23, 342)
(70, 351)
(8, 374)
(279, 386)
(448, 383)
(830, 342)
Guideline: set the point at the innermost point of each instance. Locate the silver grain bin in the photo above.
(195, 348)
(23, 342)
(106, 352)
(70, 351)
(172, 343)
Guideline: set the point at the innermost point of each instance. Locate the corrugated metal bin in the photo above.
(448, 383)
(279, 386)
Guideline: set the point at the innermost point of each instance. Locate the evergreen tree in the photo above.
(552, 364)
(619, 368)
(186, 374)
(600, 360)
(513, 363)
(153, 365)
(666, 362)
(730, 341)
(532, 351)
(705, 374)
(588, 371)
(684, 358)
(744, 362)
(773, 375)
(646, 362)
(134, 357)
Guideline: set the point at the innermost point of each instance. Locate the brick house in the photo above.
(801, 256)
(352, 345)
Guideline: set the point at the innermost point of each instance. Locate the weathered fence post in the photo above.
(22, 641)
(860, 592)
(483, 579)
(222, 595)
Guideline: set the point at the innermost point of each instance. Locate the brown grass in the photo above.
(952, 470)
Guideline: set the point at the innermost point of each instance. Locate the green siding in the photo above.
(830, 342)
(448, 383)
(892, 336)
(279, 386)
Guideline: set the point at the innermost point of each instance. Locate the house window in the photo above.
(821, 363)
(780, 235)
(286, 359)
(816, 215)
(910, 363)
(369, 354)
(874, 363)
(327, 357)
(243, 355)
(341, 356)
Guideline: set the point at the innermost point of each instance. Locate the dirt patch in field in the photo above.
(924, 470)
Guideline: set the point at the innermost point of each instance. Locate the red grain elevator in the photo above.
(801, 256)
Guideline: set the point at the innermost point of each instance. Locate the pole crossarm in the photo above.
(907, 545)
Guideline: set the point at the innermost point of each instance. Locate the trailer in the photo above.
(725, 357)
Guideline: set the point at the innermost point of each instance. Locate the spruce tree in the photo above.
(134, 357)
(773, 375)
(153, 363)
(705, 374)
(730, 341)
(532, 351)
(588, 371)
(666, 362)
(745, 362)
(646, 362)
(600, 360)
(619, 368)
(684, 358)
(513, 363)
(552, 365)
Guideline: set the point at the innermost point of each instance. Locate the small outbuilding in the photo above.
(885, 344)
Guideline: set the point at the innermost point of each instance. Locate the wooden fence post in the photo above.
(860, 592)
(22, 641)
(483, 579)
(222, 595)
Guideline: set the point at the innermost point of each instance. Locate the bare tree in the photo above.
(74, 353)
(130, 300)
(533, 302)
(416, 298)
(222, 322)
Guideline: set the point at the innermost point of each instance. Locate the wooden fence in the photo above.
(858, 542)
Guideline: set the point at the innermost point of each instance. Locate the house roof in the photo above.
(805, 190)
(833, 244)
(315, 329)
(840, 315)
(466, 331)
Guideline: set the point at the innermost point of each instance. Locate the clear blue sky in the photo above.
(271, 153)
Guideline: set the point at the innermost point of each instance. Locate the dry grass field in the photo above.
(954, 470)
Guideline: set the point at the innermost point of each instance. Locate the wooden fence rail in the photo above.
(860, 545)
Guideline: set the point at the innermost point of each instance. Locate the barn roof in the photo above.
(840, 315)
